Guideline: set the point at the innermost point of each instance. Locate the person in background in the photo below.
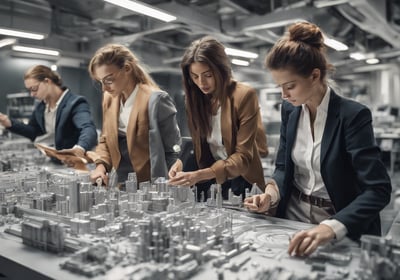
(224, 121)
(328, 167)
(61, 120)
(140, 131)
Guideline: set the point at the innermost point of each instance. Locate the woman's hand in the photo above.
(184, 179)
(175, 168)
(99, 175)
(78, 152)
(260, 203)
(74, 157)
(5, 120)
(306, 242)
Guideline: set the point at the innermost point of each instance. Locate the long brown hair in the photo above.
(198, 105)
(42, 72)
(300, 50)
(119, 55)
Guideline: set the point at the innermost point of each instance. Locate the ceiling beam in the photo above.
(279, 18)
(191, 16)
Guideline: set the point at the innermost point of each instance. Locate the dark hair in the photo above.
(198, 105)
(41, 72)
(300, 50)
(119, 55)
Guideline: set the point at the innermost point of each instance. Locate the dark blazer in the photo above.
(351, 167)
(74, 125)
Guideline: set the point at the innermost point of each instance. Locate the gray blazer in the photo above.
(164, 134)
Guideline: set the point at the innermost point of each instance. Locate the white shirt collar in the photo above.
(131, 98)
(58, 101)
(323, 106)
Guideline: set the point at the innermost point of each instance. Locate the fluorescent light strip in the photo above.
(35, 50)
(6, 42)
(274, 24)
(235, 52)
(328, 3)
(143, 9)
(358, 56)
(335, 44)
(240, 62)
(372, 61)
(21, 34)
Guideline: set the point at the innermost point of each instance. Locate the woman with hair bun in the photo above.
(61, 120)
(328, 167)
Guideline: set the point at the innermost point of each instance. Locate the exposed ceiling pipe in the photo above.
(266, 36)
(127, 39)
(373, 20)
(389, 54)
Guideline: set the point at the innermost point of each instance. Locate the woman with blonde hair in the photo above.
(139, 132)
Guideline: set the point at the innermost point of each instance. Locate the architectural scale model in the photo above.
(155, 231)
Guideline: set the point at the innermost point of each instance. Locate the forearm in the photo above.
(272, 190)
(83, 121)
(22, 129)
(103, 154)
(205, 174)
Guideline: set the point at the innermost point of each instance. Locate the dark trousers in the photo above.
(125, 165)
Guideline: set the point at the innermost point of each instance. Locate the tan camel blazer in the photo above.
(148, 162)
(243, 136)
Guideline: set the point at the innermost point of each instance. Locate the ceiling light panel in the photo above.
(235, 52)
(143, 9)
(7, 41)
(335, 44)
(21, 34)
(240, 62)
(51, 52)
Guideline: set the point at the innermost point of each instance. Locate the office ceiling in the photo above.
(79, 27)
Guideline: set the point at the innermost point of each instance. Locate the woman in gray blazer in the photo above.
(140, 132)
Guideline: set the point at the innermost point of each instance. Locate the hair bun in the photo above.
(307, 33)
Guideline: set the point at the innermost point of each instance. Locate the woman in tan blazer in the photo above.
(224, 120)
(140, 131)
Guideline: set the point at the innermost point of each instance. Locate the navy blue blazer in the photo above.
(353, 173)
(74, 124)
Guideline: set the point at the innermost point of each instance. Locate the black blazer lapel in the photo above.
(331, 125)
(291, 131)
(60, 108)
(39, 115)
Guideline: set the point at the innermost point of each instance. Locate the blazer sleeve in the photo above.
(261, 138)
(280, 161)
(102, 150)
(30, 130)
(82, 120)
(169, 129)
(373, 186)
(247, 119)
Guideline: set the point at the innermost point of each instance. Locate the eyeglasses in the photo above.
(109, 79)
(34, 88)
